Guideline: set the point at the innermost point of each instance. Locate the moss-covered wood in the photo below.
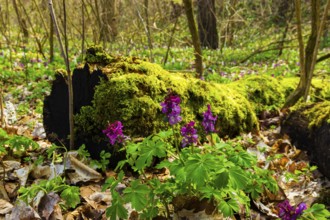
(308, 125)
(132, 89)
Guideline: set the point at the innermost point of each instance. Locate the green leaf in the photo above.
(71, 196)
(116, 208)
(83, 152)
(197, 168)
(225, 209)
(165, 134)
(148, 151)
(243, 159)
(317, 211)
(111, 182)
(238, 178)
(221, 180)
(233, 205)
(137, 194)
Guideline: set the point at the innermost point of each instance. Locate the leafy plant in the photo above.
(103, 162)
(316, 211)
(15, 145)
(70, 194)
(221, 173)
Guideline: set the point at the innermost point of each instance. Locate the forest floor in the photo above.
(298, 181)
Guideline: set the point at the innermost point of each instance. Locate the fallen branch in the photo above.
(261, 50)
(322, 58)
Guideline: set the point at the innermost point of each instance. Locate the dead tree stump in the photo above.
(56, 107)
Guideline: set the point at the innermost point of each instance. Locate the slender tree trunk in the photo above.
(51, 40)
(39, 44)
(288, 21)
(2, 118)
(231, 23)
(308, 58)
(64, 52)
(207, 24)
(21, 22)
(146, 14)
(194, 36)
(170, 40)
(319, 31)
(83, 28)
(146, 29)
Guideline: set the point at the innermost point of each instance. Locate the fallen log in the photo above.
(309, 128)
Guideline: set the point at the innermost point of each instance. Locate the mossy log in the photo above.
(308, 125)
(128, 89)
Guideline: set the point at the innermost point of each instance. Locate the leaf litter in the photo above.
(15, 172)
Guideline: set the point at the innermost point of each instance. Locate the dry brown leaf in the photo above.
(94, 197)
(83, 173)
(24, 212)
(47, 205)
(12, 188)
(5, 207)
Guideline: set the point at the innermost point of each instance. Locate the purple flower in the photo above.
(114, 132)
(171, 108)
(288, 212)
(189, 134)
(209, 120)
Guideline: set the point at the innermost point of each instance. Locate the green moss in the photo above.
(97, 55)
(135, 89)
(265, 92)
(318, 113)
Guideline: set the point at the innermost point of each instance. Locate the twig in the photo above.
(260, 50)
(2, 109)
(66, 60)
(322, 58)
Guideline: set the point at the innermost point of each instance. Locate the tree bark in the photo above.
(308, 59)
(51, 40)
(194, 36)
(69, 78)
(207, 24)
(21, 22)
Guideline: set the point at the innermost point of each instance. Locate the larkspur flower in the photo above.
(209, 120)
(114, 132)
(189, 134)
(288, 212)
(171, 108)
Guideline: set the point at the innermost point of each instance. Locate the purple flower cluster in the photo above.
(288, 212)
(172, 109)
(189, 134)
(209, 120)
(114, 132)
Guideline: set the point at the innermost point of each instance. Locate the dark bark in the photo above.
(64, 52)
(207, 24)
(322, 58)
(316, 140)
(194, 36)
(56, 105)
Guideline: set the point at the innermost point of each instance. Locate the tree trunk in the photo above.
(194, 36)
(308, 59)
(64, 52)
(21, 22)
(207, 24)
(51, 40)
